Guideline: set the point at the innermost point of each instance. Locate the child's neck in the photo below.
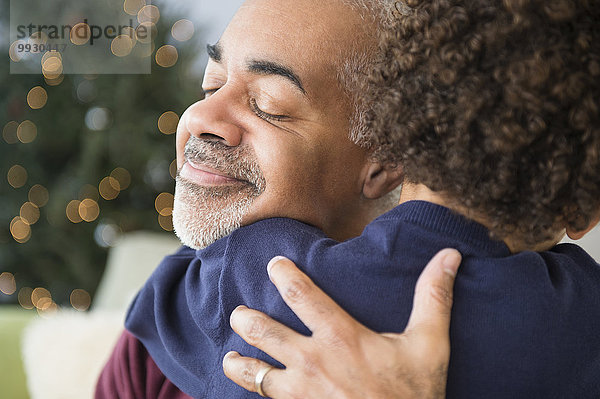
(420, 192)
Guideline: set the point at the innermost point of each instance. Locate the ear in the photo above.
(380, 179)
(576, 235)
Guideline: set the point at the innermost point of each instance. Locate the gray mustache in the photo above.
(238, 161)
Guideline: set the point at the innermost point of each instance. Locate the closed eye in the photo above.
(255, 108)
(265, 115)
(208, 92)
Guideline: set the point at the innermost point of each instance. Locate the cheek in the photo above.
(287, 169)
(292, 174)
(317, 174)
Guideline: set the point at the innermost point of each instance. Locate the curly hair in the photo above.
(495, 104)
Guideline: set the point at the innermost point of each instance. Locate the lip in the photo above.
(206, 176)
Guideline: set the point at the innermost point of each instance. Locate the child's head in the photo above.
(496, 105)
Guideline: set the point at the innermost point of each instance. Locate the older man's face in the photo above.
(271, 137)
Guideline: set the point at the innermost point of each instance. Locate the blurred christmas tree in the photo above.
(86, 158)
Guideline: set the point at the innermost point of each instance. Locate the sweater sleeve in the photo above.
(130, 373)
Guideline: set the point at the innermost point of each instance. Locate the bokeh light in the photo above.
(29, 213)
(166, 56)
(173, 169)
(86, 91)
(41, 162)
(80, 34)
(38, 195)
(26, 132)
(121, 46)
(20, 230)
(13, 52)
(43, 303)
(109, 188)
(24, 297)
(9, 132)
(49, 309)
(54, 81)
(129, 32)
(37, 97)
(106, 234)
(80, 300)
(165, 222)
(146, 32)
(167, 122)
(41, 297)
(149, 13)
(182, 30)
(98, 118)
(89, 210)
(132, 7)
(51, 56)
(17, 176)
(52, 66)
(164, 204)
(122, 176)
(114, 183)
(8, 284)
(72, 211)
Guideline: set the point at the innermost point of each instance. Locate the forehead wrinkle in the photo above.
(316, 47)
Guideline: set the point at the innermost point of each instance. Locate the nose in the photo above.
(214, 119)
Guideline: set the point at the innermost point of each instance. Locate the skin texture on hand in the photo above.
(344, 359)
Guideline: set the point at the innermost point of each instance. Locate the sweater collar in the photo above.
(442, 220)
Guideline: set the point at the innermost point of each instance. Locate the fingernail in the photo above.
(232, 315)
(272, 262)
(451, 262)
(229, 356)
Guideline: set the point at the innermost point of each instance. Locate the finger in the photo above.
(433, 294)
(316, 310)
(243, 370)
(259, 330)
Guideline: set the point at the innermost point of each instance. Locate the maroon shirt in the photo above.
(132, 374)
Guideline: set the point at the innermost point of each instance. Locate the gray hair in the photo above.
(352, 75)
(356, 65)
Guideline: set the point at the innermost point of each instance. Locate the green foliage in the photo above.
(66, 155)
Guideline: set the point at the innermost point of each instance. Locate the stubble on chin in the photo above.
(203, 215)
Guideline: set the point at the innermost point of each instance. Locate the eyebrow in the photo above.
(215, 52)
(273, 68)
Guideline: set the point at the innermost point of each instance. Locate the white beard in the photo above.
(203, 215)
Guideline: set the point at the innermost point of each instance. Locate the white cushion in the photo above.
(130, 262)
(63, 354)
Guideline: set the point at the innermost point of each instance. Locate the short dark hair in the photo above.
(496, 104)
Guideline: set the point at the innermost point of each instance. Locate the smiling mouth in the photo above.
(206, 176)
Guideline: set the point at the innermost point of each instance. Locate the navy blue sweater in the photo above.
(523, 326)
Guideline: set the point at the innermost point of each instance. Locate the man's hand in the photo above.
(344, 359)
